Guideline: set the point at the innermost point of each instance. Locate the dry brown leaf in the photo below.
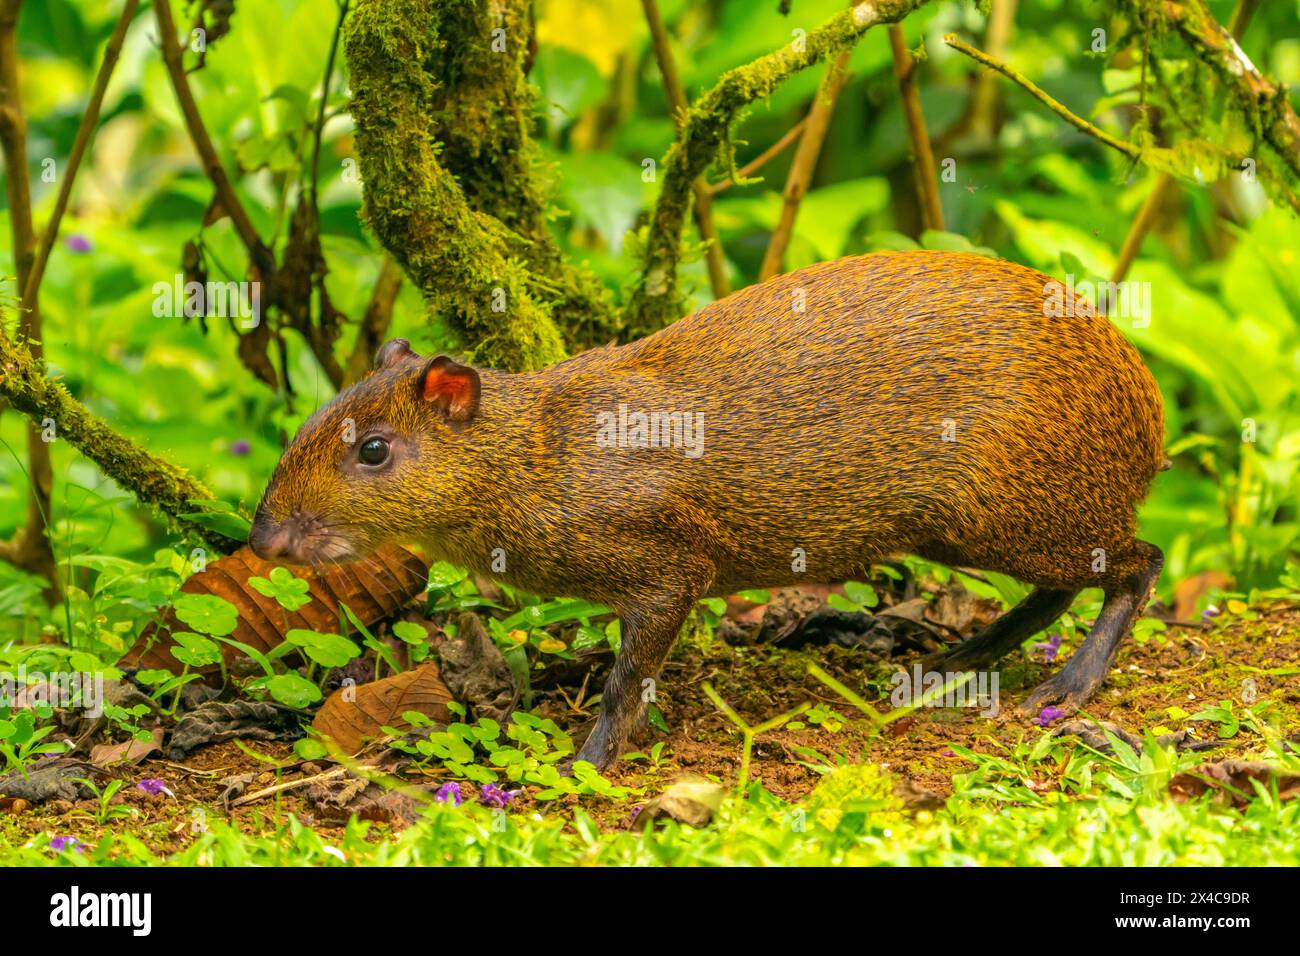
(1189, 591)
(961, 611)
(692, 801)
(129, 752)
(352, 714)
(373, 589)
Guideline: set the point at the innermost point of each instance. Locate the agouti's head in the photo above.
(375, 465)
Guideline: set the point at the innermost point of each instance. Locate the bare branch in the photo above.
(927, 174)
(85, 132)
(226, 195)
(30, 548)
(805, 164)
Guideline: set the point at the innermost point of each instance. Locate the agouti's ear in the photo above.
(452, 388)
(393, 351)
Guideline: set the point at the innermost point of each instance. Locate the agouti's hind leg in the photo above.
(1040, 608)
(1074, 685)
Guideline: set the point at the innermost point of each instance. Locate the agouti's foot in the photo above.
(1066, 690)
(599, 751)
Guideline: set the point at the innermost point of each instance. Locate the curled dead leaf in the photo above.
(373, 589)
(352, 714)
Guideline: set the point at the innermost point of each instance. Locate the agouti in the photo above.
(923, 402)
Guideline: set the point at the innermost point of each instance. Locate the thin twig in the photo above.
(30, 548)
(717, 263)
(226, 195)
(318, 127)
(1141, 225)
(927, 173)
(763, 158)
(375, 323)
(1128, 149)
(804, 164)
(85, 133)
(287, 785)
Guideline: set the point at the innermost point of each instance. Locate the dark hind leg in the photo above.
(1040, 608)
(1076, 682)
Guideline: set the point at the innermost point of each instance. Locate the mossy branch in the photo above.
(656, 299)
(1264, 102)
(713, 255)
(1190, 159)
(153, 481)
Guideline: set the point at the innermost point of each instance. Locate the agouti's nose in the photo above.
(270, 542)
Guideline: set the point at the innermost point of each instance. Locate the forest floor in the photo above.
(1159, 685)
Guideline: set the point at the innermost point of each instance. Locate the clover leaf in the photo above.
(287, 589)
(206, 613)
(328, 650)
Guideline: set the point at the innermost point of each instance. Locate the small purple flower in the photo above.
(1050, 649)
(240, 447)
(1047, 715)
(78, 243)
(493, 796)
(449, 792)
(60, 843)
(153, 786)
(1208, 615)
(948, 753)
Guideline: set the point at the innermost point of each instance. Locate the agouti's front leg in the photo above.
(649, 630)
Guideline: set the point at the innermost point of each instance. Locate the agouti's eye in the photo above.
(374, 451)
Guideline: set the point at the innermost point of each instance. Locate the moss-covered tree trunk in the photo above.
(443, 109)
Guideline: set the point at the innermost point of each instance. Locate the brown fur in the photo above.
(823, 435)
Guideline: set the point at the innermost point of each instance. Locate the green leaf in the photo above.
(309, 748)
(328, 650)
(293, 690)
(195, 650)
(206, 613)
(861, 594)
(410, 632)
(289, 591)
(445, 575)
(225, 521)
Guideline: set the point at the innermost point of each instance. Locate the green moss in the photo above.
(452, 189)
